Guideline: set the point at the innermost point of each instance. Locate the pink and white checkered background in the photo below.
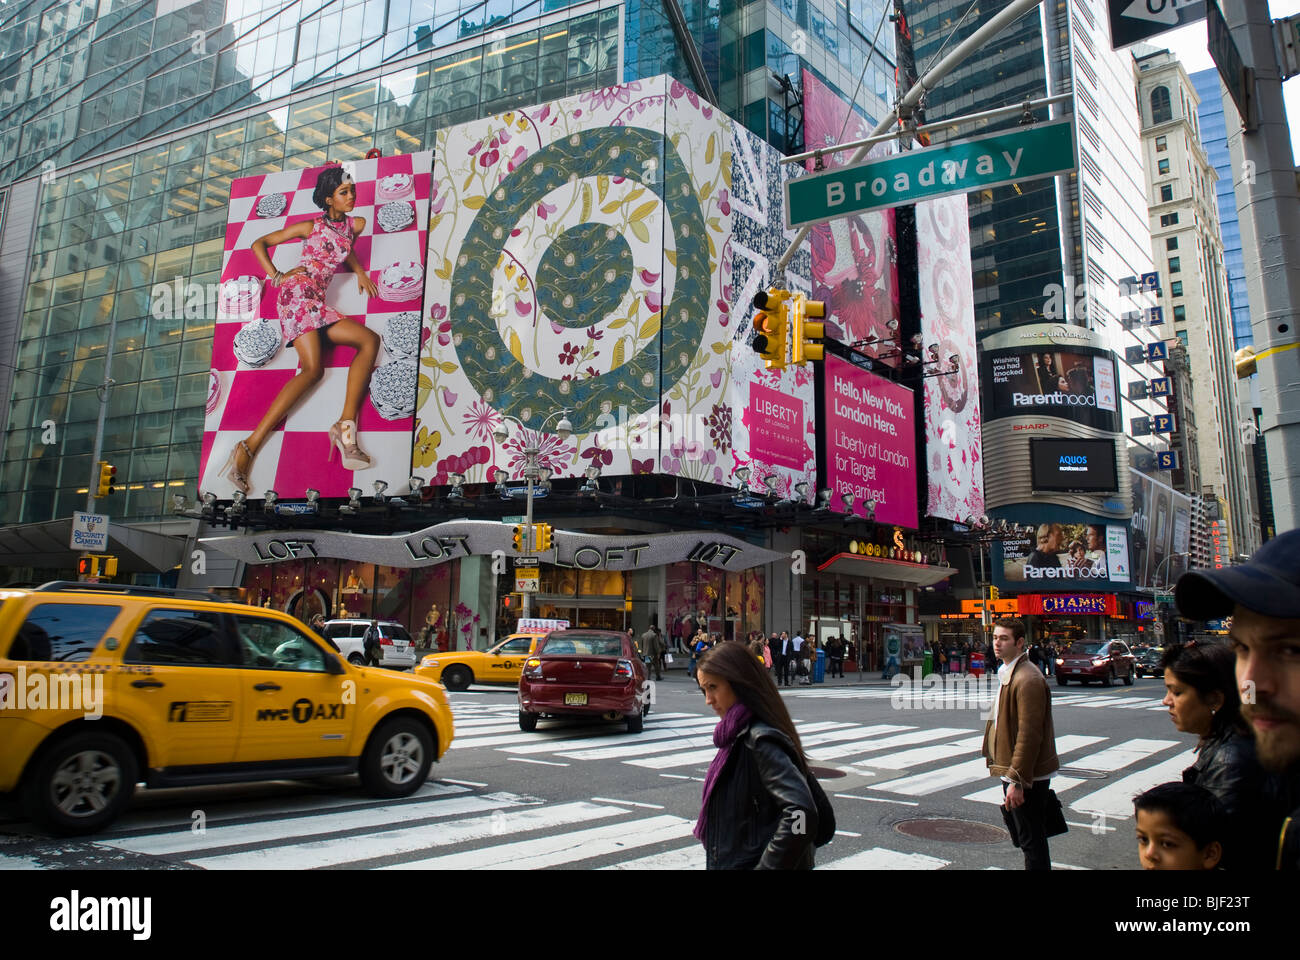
(295, 456)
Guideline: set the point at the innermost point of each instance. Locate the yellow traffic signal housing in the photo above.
(993, 594)
(543, 531)
(771, 327)
(804, 334)
(108, 566)
(107, 477)
(519, 535)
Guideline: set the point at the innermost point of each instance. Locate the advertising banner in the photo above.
(1161, 527)
(1053, 383)
(1083, 466)
(870, 443)
(575, 254)
(952, 400)
(313, 378)
(1065, 554)
(854, 258)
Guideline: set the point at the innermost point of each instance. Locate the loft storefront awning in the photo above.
(46, 546)
(878, 568)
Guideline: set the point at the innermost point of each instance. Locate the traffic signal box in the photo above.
(543, 531)
(520, 538)
(771, 327)
(97, 567)
(107, 479)
(805, 335)
(994, 594)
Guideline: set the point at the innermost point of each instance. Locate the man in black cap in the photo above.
(1263, 598)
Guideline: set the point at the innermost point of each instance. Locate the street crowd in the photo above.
(762, 806)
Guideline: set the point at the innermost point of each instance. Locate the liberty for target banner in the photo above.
(870, 443)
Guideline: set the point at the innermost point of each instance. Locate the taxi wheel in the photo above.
(457, 678)
(528, 721)
(81, 783)
(397, 758)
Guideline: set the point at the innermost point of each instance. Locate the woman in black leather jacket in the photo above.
(758, 811)
(1201, 694)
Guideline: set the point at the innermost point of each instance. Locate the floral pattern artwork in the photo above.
(573, 252)
(758, 241)
(854, 259)
(952, 401)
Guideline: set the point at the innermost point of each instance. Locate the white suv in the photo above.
(347, 636)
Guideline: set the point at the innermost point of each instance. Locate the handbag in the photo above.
(668, 659)
(825, 812)
(1053, 819)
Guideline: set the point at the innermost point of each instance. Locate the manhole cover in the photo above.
(827, 773)
(951, 831)
(1080, 773)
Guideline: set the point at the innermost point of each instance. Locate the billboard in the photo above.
(1067, 554)
(1161, 525)
(854, 259)
(953, 425)
(1076, 384)
(312, 382)
(870, 443)
(1073, 466)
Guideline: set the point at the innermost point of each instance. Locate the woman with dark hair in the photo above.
(758, 810)
(1202, 697)
(326, 242)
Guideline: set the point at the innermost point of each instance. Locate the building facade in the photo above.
(1188, 252)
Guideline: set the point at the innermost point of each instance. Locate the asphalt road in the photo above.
(904, 773)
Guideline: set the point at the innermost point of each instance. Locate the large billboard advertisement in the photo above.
(1075, 383)
(1067, 555)
(317, 329)
(953, 426)
(870, 443)
(1073, 466)
(854, 259)
(1162, 522)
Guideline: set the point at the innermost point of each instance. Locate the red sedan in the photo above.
(584, 673)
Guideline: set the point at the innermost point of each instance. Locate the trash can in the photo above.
(819, 667)
(927, 663)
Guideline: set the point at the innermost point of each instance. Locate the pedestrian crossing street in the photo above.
(447, 824)
(904, 761)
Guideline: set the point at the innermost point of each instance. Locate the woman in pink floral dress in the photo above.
(305, 319)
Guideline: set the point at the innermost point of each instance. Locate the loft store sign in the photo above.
(1028, 153)
(465, 538)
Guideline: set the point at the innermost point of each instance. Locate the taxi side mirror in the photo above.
(333, 665)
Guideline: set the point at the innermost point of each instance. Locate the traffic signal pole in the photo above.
(104, 391)
(997, 23)
(1268, 203)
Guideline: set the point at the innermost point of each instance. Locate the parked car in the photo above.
(180, 688)
(347, 636)
(1148, 662)
(584, 673)
(503, 664)
(1102, 660)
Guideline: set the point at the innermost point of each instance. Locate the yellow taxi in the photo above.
(502, 664)
(103, 686)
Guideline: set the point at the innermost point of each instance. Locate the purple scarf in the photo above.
(725, 735)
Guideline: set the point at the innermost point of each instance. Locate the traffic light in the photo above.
(771, 328)
(107, 475)
(108, 566)
(543, 532)
(519, 537)
(993, 593)
(804, 335)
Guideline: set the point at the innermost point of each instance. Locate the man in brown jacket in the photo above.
(1019, 742)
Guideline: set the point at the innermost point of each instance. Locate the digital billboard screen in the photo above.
(1070, 552)
(1073, 466)
(1075, 384)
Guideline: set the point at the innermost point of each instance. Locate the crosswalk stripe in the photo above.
(994, 795)
(677, 728)
(707, 754)
(970, 771)
(914, 758)
(341, 850)
(1122, 755)
(878, 858)
(684, 858)
(1116, 799)
(886, 743)
(642, 749)
(561, 848)
(553, 734)
(856, 734)
(161, 844)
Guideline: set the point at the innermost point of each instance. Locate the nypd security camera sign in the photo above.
(89, 531)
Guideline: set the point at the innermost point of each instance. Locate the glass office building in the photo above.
(124, 122)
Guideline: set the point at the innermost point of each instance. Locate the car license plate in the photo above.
(575, 699)
(1076, 670)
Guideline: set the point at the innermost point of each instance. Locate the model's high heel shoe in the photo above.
(231, 473)
(344, 436)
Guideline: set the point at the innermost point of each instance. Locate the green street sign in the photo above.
(1027, 153)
